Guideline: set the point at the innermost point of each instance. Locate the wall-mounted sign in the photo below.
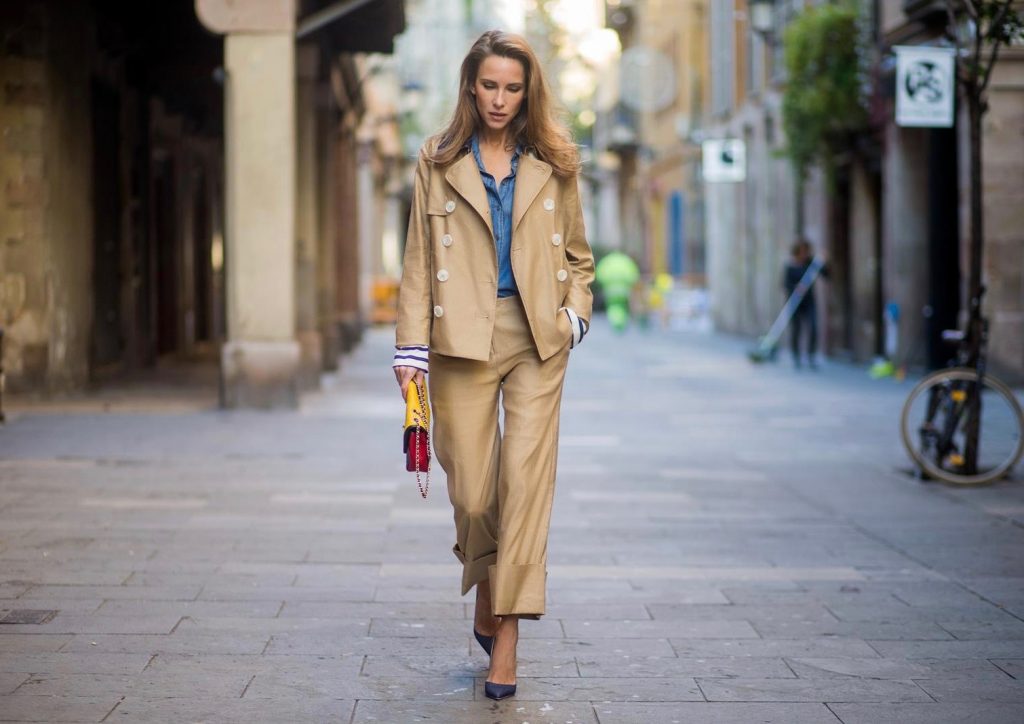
(724, 160)
(925, 86)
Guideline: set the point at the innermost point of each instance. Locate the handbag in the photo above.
(416, 438)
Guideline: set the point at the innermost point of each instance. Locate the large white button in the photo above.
(562, 275)
(446, 240)
(438, 311)
(549, 204)
(556, 239)
(442, 275)
(449, 206)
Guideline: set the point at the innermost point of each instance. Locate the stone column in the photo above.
(307, 219)
(260, 360)
(327, 279)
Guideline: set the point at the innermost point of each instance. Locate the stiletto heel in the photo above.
(486, 642)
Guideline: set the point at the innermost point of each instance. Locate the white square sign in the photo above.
(724, 160)
(925, 86)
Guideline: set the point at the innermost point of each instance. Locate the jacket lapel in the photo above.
(464, 176)
(531, 176)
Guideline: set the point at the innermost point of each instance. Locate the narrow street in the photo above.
(730, 543)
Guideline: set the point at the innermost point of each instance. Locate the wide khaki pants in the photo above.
(501, 482)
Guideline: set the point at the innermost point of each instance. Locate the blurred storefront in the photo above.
(185, 183)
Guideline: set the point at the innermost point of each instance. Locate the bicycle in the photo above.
(961, 425)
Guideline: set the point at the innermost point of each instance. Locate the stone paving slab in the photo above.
(32, 643)
(385, 688)
(460, 665)
(824, 646)
(675, 628)
(927, 713)
(962, 690)
(545, 628)
(10, 681)
(329, 628)
(810, 668)
(812, 612)
(315, 643)
(874, 630)
(218, 592)
(61, 663)
(949, 649)
(375, 610)
(558, 648)
(135, 593)
(654, 666)
(508, 710)
(720, 532)
(896, 611)
(617, 713)
(1013, 667)
(234, 711)
(203, 609)
(975, 630)
(77, 623)
(828, 690)
(77, 684)
(663, 688)
(177, 643)
(25, 707)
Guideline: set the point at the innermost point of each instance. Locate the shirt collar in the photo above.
(474, 145)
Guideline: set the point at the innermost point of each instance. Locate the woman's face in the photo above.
(499, 90)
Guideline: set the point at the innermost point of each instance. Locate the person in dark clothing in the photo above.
(805, 317)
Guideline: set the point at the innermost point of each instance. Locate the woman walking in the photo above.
(495, 291)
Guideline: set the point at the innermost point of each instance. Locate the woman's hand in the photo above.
(564, 325)
(405, 375)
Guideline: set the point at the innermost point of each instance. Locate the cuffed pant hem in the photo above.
(518, 589)
(474, 572)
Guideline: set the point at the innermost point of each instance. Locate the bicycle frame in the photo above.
(971, 352)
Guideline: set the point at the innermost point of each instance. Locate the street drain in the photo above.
(28, 615)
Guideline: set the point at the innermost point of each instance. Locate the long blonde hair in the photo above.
(536, 126)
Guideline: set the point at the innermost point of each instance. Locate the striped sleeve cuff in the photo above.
(414, 356)
(579, 326)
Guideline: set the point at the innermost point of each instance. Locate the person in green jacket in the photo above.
(617, 274)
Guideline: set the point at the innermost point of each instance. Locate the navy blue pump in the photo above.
(486, 642)
(498, 691)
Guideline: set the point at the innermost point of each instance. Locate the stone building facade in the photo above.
(925, 205)
(894, 224)
(179, 184)
(656, 136)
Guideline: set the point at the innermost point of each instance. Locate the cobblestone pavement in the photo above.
(729, 544)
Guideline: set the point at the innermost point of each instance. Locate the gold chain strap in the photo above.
(416, 452)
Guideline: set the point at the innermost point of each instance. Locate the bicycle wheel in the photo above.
(938, 413)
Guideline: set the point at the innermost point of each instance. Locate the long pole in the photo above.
(975, 323)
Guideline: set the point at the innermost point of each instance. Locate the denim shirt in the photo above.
(499, 198)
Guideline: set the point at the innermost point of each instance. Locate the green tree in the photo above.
(822, 104)
(978, 30)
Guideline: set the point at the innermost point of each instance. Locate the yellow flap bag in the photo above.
(416, 438)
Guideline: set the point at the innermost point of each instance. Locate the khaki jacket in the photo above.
(449, 280)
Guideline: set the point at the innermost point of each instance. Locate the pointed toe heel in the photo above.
(486, 642)
(498, 691)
